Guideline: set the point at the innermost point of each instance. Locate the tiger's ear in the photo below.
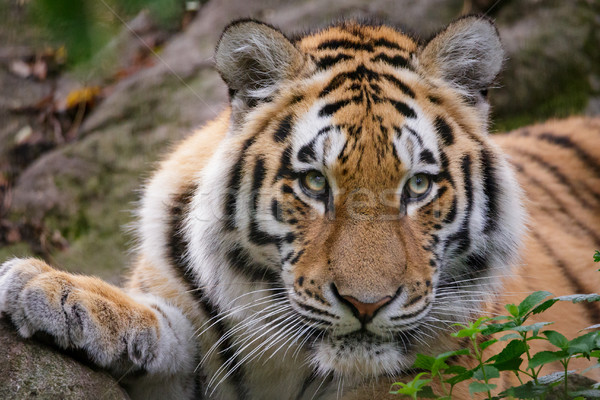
(253, 58)
(468, 54)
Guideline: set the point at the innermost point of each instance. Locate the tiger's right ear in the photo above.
(253, 59)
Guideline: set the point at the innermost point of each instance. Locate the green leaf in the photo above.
(583, 344)
(490, 329)
(545, 357)
(531, 301)
(544, 306)
(597, 326)
(424, 362)
(477, 387)
(510, 336)
(513, 349)
(578, 298)
(490, 372)
(410, 388)
(557, 339)
(439, 363)
(509, 365)
(455, 370)
(512, 309)
(531, 390)
(531, 328)
(468, 374)
(449, 354)
(527, 391)
(470, 330)
(585, 394)
(597, 256)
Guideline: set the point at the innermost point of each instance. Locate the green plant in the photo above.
(515, 357)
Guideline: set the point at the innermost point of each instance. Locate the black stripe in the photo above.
(444, 131)
(283, 130)
(449, 218)
(359, 74)
(462, 237)
(564, 180)
(306, 384)
(407, 316)
(345, 44)
(297, 257)
(240, 261)
(233, 187)
(415, 135)
(335, 83)
(403, 109)
(386, 43)
(307, 153)
(177, 243)
(285, 165)
(400, 85)
(590, 307)
(317, 311)
(566, 142)
(177, 252)
(329, 61)
(256, 235)
(395, 61)
(490, 191)
(477, 263)
(560, 205)
(330, 109)
(236, 378)
(276, 211)
(258, 178)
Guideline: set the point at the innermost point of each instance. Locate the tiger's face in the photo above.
(371, 191)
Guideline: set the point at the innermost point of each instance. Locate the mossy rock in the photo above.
(32, 370)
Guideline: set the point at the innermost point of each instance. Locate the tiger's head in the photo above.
(358, 176)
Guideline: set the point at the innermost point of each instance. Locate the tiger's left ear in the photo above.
(468, 54)
(253, 59)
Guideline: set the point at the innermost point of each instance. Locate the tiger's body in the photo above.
(333, 222)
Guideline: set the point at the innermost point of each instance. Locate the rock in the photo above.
(578, 385)
(553, 61)
(31, 370)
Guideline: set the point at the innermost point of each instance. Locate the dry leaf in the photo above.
(84, 95)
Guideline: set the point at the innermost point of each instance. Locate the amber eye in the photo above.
(314, 183)
(418, 186)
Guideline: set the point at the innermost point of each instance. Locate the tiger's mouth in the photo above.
(362, 354)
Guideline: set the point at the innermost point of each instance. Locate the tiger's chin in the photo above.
(361, 355)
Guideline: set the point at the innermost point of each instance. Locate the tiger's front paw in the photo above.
(79, 312)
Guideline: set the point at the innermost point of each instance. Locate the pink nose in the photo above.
(365, 311)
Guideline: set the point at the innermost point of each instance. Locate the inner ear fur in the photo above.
(253, 58)
(467, 53)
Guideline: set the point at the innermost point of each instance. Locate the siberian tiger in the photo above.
(346, 209)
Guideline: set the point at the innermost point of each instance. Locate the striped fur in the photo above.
(241, 286)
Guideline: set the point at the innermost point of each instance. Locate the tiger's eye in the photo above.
(418, 186)
(315, 182)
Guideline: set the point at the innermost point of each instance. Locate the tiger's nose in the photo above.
(364, 312)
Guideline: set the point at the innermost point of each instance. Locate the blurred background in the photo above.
(93, 92)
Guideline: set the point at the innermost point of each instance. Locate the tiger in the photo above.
(335, 220)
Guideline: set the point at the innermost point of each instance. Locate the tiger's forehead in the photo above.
(366, 91)
(353, 39)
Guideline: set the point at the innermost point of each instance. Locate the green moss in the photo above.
(15, 250)
(568, 95)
